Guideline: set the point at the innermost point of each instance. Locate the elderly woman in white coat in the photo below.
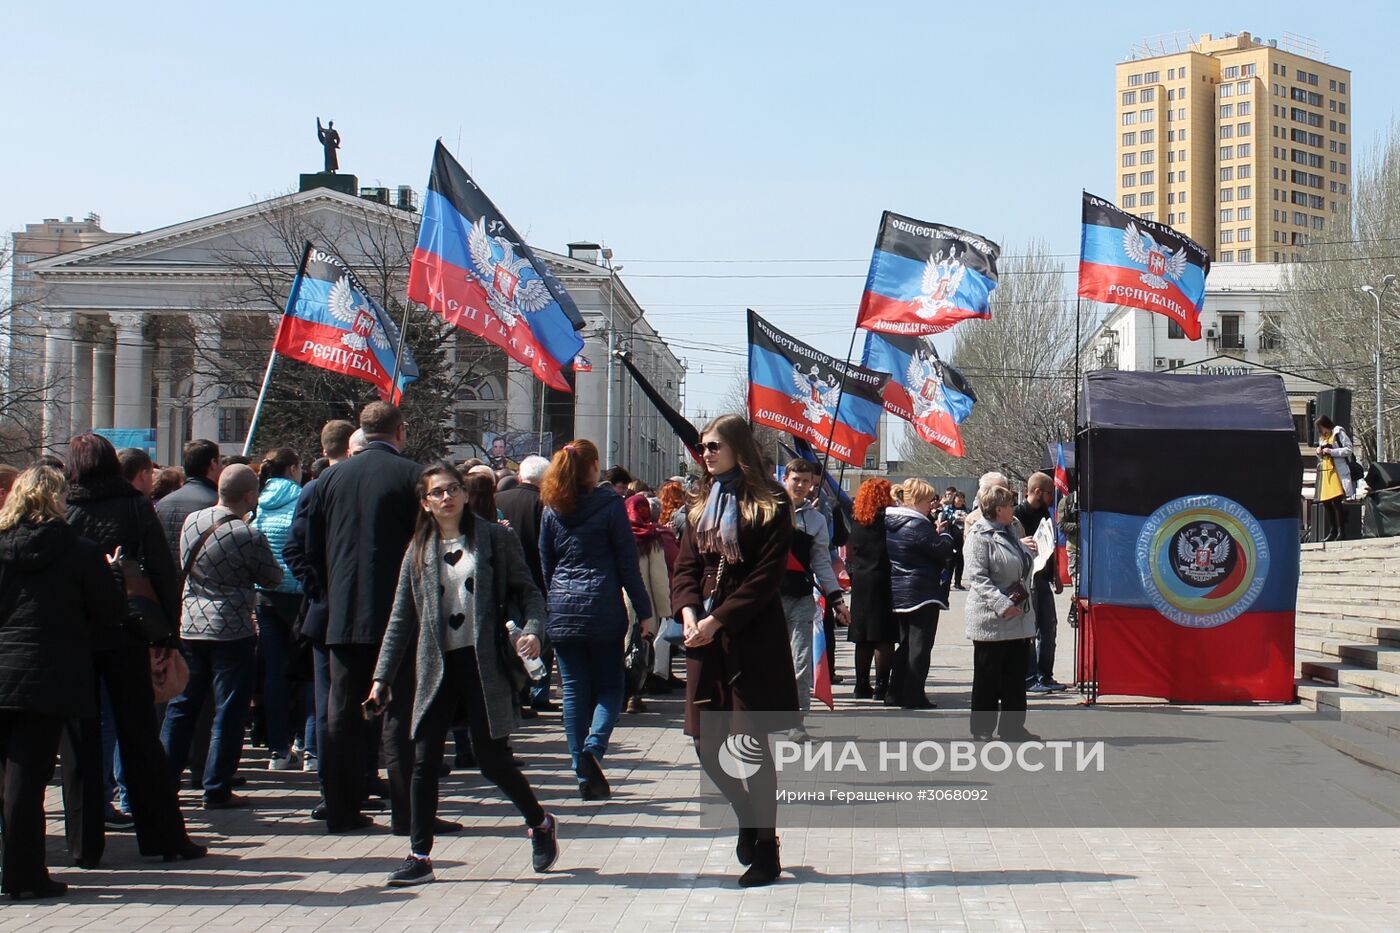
(999, 617)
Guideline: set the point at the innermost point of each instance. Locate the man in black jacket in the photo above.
(203, 464)
(521, 506)
(359, 522)
(1034, 509)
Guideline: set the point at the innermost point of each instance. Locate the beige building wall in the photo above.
(1243, 146)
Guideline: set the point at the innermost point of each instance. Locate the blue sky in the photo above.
(674, 133)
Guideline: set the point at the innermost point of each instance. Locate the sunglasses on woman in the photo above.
(713, 447)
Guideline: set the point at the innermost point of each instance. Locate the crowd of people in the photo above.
(352, 614)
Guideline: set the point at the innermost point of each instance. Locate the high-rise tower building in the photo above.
(1243, 144)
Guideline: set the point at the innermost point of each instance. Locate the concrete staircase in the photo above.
(1348, 646)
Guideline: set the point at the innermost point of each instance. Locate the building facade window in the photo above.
(1129, 159)
(1148, 136)
(1129, 97)
(1129, 180)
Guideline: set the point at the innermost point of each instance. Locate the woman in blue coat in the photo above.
(919, 551)
(589, 556)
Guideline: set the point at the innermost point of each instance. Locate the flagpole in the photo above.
(1074, 431)
(272, 357)
(836, 414)
(540, 443)
(394, 392)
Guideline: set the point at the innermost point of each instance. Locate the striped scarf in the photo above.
(718, 528)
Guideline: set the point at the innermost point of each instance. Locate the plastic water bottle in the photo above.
(534, 667)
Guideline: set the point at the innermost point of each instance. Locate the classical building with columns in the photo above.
(128, 323)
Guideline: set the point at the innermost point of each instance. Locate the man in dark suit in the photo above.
(521, 506)
(203, 464)
(359, 522)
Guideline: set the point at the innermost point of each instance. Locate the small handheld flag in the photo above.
(1061, 492)
(1125, 260)
(821, 655)
(925, 391)
(331, 322)
(474, 270)
(925, 277)
(798, 389)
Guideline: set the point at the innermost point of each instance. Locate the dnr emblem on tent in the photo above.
(1161, 263)
(1203, 552)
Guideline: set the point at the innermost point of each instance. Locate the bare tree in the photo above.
(301, 398)
(1329, 325)
(1020, 363)
(24, 386)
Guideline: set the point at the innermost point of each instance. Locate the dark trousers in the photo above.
(461, 698)
(958, 568)
(28, 746)
(754, 801)
(999, 687)
(154, 799)
(321, 674)
(351, 669)
(226, 669)
(911, 660)
(1040, 663)
(277, 614)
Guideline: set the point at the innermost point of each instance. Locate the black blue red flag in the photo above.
(926, 277)
(330, 321)
(798, 389)
(923, 390)
(474, 270)
(1125, 260)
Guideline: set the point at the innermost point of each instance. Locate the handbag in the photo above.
(639, 657)
(672, 632)
(169, 674)
(145, 618)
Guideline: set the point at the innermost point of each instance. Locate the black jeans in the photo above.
(911, 660)
(999, 687)
(1040, 661)
(153, 796)
(343, 773)
(461, 698)
(28, 746)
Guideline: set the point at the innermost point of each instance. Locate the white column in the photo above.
(58, 383)
(103, 378)
(521, 410)
(165, 405)
(208, 342)
(132, 403)
(82, 383)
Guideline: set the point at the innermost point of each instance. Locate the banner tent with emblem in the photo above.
(1125, 260)
(472, 268)
(800, 390)
(1188, 537)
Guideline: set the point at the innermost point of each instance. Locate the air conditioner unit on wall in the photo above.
(1212, 333)
(1159, 362)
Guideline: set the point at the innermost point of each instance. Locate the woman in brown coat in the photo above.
(726, 589)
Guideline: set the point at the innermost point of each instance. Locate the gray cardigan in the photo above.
(993, 562)
(416, 620)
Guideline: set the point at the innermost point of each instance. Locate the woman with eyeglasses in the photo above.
(727, 588)
(462, 578)
(589, 556)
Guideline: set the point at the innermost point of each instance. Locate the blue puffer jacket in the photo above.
(918, 557)
(589, 557)
(276, 505)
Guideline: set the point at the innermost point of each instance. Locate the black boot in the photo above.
(748, 838)
(882, 684)
(765, 868)
(863, 691)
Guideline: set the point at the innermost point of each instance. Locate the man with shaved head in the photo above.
(224, 558)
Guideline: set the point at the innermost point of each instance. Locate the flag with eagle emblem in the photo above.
(473, 269)
(330, 321)
(925, 391)
(926, 277)
(1126, 260)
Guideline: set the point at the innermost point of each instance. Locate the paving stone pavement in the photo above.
(642, 861)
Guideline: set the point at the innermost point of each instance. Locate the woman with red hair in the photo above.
(874, 628)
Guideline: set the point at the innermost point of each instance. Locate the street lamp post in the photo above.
(1375, 294)
(608, 454)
